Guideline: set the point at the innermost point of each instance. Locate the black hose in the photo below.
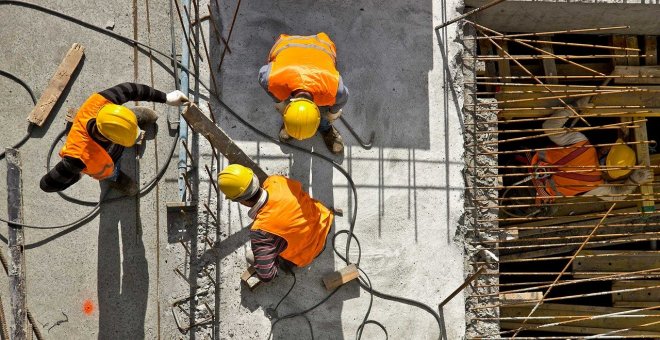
(364, 284)
(34, 102)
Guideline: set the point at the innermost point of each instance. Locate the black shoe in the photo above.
(124, 184)
(145, 116)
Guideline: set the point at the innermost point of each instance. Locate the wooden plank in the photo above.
(219, 140)
(628, 112)
(593, 326)
(549, 65)
(567, 328)
(651, 50)
(16, 243)
(503, 66)
(644, 74)
(631, 42)
(564, 69)
(340, 277)
(645, 97)
(620, 261)
(650, 293)
(635, 304)
(520, 297)
(58, 83)
(250, 279)
(619, 40)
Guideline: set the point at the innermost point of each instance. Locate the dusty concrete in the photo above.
(404, 85)
(542, 16)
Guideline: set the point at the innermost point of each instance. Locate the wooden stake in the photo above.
(340, 277)
(57, 85)
(16, 244)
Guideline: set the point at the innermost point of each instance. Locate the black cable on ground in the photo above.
(34, 102)
(364, 283)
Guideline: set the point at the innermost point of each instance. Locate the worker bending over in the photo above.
(568, 165)
(289, 228)
(100, 131)
(302, 77)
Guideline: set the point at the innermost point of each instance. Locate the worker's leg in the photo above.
(122, 183)
(331, 136)
(249, 256)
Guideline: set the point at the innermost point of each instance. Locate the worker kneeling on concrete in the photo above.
(289, 228)
(100, 131)
(302, 78)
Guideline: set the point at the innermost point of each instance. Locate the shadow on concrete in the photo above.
(123, 278)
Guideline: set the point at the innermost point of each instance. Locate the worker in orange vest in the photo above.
(289, 228)
(301, 76)
(568, 169)
(101, 129)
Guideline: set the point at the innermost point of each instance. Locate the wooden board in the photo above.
(644, 74)
(58, 83)
(651, 50)
(564, 69)
(520, 297)
(620, 261)
(218, 138)
(340, 277)
(631, 42)
(619, 40)
(594, 326)
(249, 278)
(549, 65)
(649, 293)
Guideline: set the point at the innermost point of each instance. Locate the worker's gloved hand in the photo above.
(176, 98)
(281, 106)
(641, 176)
(331, 117)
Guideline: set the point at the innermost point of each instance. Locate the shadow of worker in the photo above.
(123, 279)
(325, 320)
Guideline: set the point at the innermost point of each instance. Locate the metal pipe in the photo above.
(183, 125)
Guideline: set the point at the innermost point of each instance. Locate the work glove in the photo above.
(641, 176)
(176, 98)
(331, 117)
(281, 106)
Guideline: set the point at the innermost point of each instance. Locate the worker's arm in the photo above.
(266, 248)
(63, 175)
(617, 193)
(341, 98)
(126, 92)
(564, 138)
(264, 73)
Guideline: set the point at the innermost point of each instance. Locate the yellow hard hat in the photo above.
(118, 124)
(301, 118)
(237, 182)
(620, 156)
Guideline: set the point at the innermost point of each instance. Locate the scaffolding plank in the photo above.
(651, 50)
(619, 261)
(58, 83)
(549, 65)
(637, 74)
(590, 326)
(631, 42)
(650, 294)
(15, 242)
(619, 40)
(520, 297)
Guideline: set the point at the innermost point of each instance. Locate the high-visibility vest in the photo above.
(293, 215)
(304, 63)
(571, 176)
(79, 144)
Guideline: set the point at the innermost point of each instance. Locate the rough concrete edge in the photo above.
(470, 220)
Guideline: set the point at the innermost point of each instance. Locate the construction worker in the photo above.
(289, 228)
(569, 170)
(301, 76)
(101, 129)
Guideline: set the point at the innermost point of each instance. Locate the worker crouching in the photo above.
(289, 229)
(301, 76)
(101, 130)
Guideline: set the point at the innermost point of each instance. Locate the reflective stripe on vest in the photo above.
(304, 63)
(292, 214)
(79, 144)
(564, 181)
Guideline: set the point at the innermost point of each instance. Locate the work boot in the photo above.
(284, 136)
(333, 140)
(124, 184)
(145, 116)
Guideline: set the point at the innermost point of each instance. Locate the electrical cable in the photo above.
(34, 102)
(364, 283)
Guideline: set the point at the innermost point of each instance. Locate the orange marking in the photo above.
(88, 307)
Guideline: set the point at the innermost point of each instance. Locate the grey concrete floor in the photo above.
(404, 86)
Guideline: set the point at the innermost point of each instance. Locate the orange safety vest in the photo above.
(565, 180)
(304, 63)
(293, 215)
(79, 144)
